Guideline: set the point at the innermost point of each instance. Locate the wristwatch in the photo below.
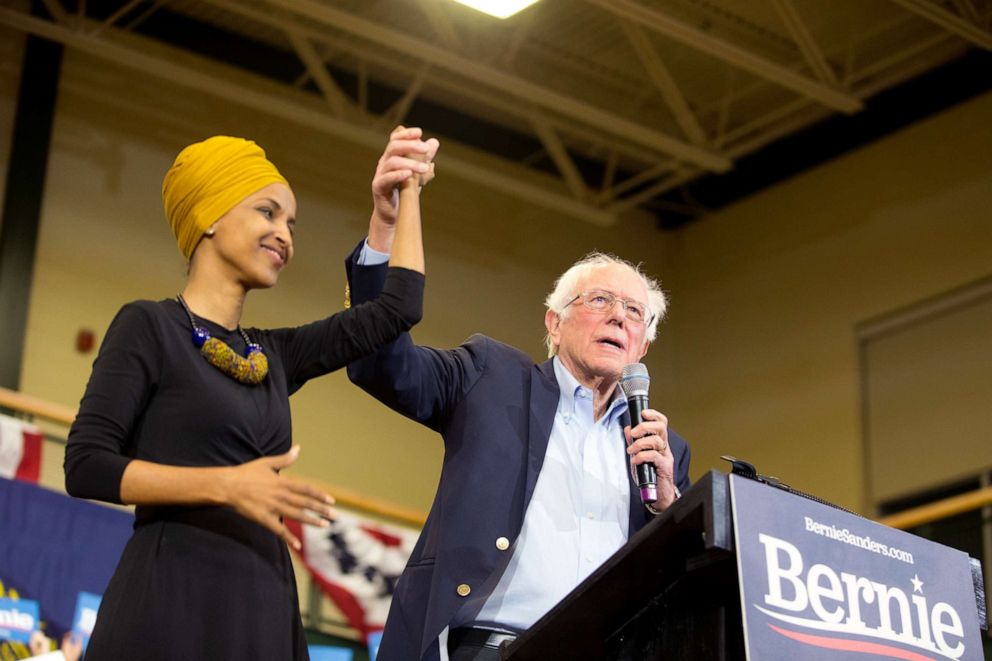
(650, 507)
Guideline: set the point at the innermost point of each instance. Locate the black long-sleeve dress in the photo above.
(204, 582)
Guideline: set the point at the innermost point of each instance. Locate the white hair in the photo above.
(566, 287)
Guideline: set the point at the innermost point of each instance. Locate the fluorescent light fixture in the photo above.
(498, 8)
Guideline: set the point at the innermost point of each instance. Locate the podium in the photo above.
(673, 591)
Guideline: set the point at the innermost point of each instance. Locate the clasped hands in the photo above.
(406, 154)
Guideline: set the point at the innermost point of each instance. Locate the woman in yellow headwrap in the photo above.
(186, 414)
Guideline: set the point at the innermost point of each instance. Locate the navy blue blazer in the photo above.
(494, 408)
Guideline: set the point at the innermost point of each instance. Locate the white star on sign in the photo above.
(917, 584)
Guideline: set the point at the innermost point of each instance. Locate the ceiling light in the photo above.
(498, 8)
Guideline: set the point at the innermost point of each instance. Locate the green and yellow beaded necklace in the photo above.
(250, 369)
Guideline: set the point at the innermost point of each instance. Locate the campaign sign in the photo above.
(18, 618)
(87, 606)
(330, 653)
(820, 584)
(374, 640)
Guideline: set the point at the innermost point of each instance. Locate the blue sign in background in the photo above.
(819, 583)
(87, 606)
(374, 640)
(330, 653)
(18, 618)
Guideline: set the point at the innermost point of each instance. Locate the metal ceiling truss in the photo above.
(639, 156)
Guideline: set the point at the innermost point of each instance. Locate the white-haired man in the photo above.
(536, 488)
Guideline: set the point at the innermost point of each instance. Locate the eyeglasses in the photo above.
(603, 301)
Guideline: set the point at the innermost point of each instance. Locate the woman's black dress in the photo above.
(204, 582)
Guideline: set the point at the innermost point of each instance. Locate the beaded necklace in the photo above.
(249, 369)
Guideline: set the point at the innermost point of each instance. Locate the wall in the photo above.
(936, 361)
(769, 291)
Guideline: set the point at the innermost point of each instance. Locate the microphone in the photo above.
(634, 382)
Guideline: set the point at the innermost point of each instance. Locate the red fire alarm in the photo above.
(85, 339)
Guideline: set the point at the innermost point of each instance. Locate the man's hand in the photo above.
(405, 155)
(648, 443)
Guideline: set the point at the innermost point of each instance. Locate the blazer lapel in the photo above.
(544, 395)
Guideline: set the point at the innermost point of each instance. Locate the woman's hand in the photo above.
(405, 155)
(258, 492)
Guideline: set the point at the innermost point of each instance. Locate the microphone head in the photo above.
(634, 380)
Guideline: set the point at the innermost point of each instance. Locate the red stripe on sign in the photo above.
(852, 645)
(29, 470)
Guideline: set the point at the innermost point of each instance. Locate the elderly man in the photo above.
(536, 489)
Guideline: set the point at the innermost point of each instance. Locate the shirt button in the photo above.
(502, 543)
(590, 515)
(463, 590)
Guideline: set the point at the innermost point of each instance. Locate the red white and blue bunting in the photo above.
(20, 450)
(356, 562)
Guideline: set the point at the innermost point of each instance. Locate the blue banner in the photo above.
(821, 584)
(87, 606)
(52, 547)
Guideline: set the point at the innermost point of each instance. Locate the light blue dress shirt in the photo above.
(577, 518)
(369, 256)
(579, 513)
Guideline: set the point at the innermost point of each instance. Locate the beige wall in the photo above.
(768, 293)
(758, 359)
(935, 361)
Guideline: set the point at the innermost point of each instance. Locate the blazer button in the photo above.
(463, 590)
(502, 543)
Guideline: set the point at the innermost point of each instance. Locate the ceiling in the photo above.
(593, 108)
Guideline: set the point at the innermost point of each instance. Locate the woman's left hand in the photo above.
(258, 492)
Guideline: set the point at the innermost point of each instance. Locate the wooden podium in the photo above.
(670, 593)
(673, 591)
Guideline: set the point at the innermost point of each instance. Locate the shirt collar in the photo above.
(571, 390)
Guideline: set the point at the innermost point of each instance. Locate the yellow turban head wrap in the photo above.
(209, 179)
